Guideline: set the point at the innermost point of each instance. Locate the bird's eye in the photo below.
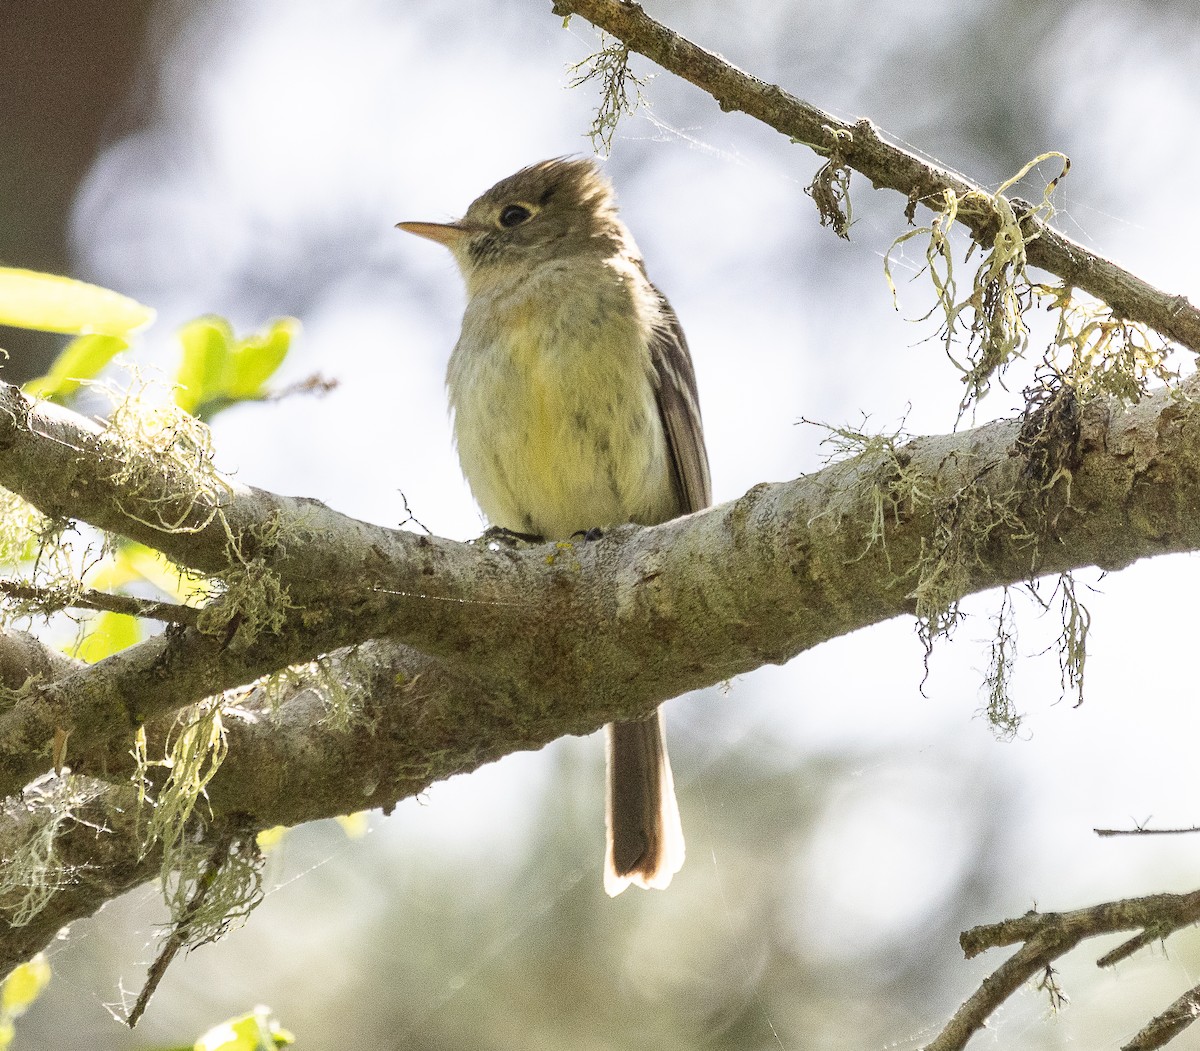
(514, 215)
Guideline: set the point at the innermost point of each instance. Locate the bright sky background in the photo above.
(286, 143)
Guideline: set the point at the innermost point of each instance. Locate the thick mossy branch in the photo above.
(647, 614)
(163, 462)
(339, 683)
(971, 519)
(632, 619)
(971, 514)
(34, 870)
(893, 488)
(249, 600)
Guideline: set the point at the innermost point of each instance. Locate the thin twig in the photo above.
(1162, 912)
(860, 146)
(181, 931)
(1035, 955)
(1049, 935)
(1146, 831)
(1167, 1026)
(314, 384)
(1138, 942)
(52, 599)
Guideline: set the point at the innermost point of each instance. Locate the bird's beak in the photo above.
(448, 234)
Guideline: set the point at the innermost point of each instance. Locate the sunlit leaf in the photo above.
(131, 562)
(256, 1031)
(114, 574)
(269, 838)
(18, 991)
(256, 358)
(219, 370)
(23, 986)
(108, 633)
(81, 359)
(205, 343)
(50, 303)
(355, 825)
(154, 568)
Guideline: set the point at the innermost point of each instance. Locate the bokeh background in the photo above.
(846, 816)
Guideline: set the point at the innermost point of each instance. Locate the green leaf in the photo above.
(269, 838)
(23, 986)
(256, 1031)
(256, 358)
(107, 634)
(355, 825)
(219, 370)
(81, 359)
(51, 303)
(20, 989)
(205, 344)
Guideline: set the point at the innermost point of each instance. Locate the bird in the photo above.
(575, 408)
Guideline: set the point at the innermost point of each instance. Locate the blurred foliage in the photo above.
(219, 370)
(20, 989)
(256, 1031)
(103, 321)
(83, 359)
(105, 634)
(53, 303)
(216, 372)
(537, 957)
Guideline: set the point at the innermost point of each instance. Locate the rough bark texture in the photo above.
(463, 653)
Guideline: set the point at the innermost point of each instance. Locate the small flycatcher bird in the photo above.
(575, 407)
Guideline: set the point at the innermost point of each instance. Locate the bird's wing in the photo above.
(679, 406)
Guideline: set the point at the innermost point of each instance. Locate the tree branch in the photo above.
(859, 146)
(53, 599)
(460, 654)
(1165, 1027)
(561, 638)
(1161, 913)
(23, 657)
(1035, 955)
(1049, 935)
(96, 856)
(507, 649)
